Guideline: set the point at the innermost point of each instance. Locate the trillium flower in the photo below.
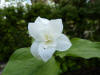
(48, 38)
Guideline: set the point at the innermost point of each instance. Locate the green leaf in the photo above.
(23, 63)
(82, 48)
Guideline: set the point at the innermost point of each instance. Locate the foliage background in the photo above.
(80, 19)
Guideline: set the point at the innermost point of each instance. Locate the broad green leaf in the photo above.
(82, 48)
(23, 63)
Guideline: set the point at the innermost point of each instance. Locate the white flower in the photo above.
(87, 1)
(5, 17)
(51, 3)
(48, 38)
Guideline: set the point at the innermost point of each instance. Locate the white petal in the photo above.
(35, 31)
(34, 49)
(41, 20)
(63, 43)
(32, 29)
(46, 52)
(56, 25)
(42, 23)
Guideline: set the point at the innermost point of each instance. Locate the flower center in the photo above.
(48, 42)
(48, 39)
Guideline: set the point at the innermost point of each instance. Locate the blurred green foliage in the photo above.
(79, 66)
(80, 19)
